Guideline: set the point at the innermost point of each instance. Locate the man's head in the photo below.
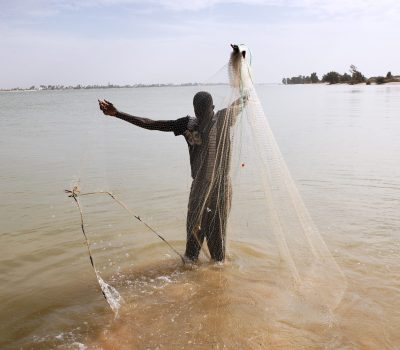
(203, 105)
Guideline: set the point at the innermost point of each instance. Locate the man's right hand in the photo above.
(107, 108)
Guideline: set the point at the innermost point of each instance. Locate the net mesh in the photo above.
(243, 169)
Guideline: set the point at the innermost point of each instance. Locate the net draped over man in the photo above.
(208, 137)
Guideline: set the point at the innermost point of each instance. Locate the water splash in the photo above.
(114, 299)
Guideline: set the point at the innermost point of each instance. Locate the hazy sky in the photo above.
(132, 41)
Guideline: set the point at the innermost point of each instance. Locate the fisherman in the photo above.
(208, 136)
(209, 142)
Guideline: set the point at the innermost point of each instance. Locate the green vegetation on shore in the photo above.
(355, 77)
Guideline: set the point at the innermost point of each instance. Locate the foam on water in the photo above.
(112, 296)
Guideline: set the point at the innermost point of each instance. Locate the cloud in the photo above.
(163, 40)
(352, 9)
(324, 8)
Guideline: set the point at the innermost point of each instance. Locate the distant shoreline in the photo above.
(94, 87)
(340, 83)
(355, 77)
(109, 86)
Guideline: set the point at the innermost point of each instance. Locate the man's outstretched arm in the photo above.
(160, 125)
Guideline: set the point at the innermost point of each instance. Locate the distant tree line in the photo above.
(382, 80)
(108, 86)
(302, 79)
(355, 77)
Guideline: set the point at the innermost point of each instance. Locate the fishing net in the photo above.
(242, 190)
(242, 203)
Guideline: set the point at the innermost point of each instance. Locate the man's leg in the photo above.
(217, 220)
(194, 242)
(216, 233)
(195, 235)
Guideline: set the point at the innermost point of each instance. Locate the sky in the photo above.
(176, 41)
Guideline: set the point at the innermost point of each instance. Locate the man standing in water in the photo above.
(208, 138)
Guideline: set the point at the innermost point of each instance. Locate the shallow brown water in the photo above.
(341, 145)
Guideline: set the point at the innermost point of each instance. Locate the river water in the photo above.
(342, 146)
